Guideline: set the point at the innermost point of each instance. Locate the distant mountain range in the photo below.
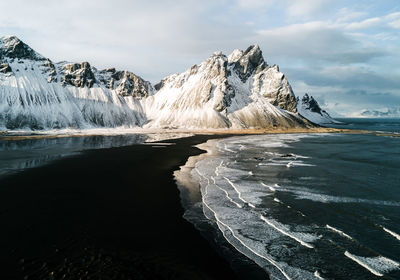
(237, 91)
(381, 113)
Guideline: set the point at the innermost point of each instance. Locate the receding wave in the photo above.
(320, 197)
(339, 232)
(279, 228)
(375, 265)
(395, 235)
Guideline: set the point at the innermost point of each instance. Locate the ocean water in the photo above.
(305, 206)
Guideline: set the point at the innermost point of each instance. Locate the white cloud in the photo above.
(328, 41)
(306, 8)
(370, 22)
(395, 24)
(345, 14)
(254, 4)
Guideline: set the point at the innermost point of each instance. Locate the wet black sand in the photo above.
(104, 214)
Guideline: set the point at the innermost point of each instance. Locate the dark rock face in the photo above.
(159, 85)
(78, 75)
(311, 104)
(251, 62)
(49, 69)
(12, 47)
(5, 68)
(286, 102)
(125, 83)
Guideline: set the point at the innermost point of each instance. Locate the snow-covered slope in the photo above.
(238, 91)
(35, 93)
(309, 108)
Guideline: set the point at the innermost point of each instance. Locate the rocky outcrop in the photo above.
(309, 108)
(125, 83)
(49, 70)
(5, 68)
(77, 74)
(274, 86)
(309, 103)
(247, 63)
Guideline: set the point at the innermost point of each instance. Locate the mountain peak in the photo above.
(311, 104)
(13, 47)
(248, 62)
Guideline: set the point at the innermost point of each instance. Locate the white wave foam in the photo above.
(228, 150)
(316, 274)
(219, 221)
(217, 168)
(339, 232)
(375, 265)
(395, 235)
(279, 228)
(272, 189)
(319, 197)
(306, 178)
(226, 194)
(277, 200)
(236, 189)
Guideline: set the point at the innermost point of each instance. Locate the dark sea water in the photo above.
(378, 125)
(307, 206)
(302, 206)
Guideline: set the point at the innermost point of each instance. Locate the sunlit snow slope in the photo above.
(37, 94)
(236, 91)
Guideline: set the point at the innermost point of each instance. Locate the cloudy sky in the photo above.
(346, 53)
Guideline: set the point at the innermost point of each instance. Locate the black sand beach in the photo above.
(104, 214)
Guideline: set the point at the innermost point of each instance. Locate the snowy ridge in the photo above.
(225, 92)
(28, 100)
(238, 91)
(309, 108)
(37, 94)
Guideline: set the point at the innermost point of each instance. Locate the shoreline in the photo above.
(114, 211)
(192, 196)
(173, 133)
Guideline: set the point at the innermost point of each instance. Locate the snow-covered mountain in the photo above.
(379, 113)
(236, 91)
(309, 108)
(38, 94)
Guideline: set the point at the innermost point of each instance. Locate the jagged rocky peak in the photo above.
(267, 81)
(274, 86)
(77, 74)
(309, 103)
(219, 78)
(13, 48)
(125, 83)
(309, 108)
(239, 91)
(247, 63)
